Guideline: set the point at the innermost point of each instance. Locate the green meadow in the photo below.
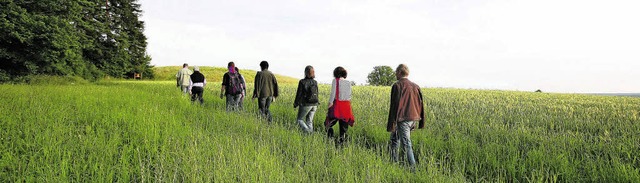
(138, 131)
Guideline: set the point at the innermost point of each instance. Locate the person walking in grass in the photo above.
(307, 99)
(182, 78)
(244, 90)
(405, 110)
(196, 85)
(339, 105)
(265, 88)
(231, 87)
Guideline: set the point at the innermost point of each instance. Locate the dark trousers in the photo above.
(343, 130)
(233, 102)
(196, 94)
(263, 104)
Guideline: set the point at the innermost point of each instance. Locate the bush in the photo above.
(55, 80)
(4, 77)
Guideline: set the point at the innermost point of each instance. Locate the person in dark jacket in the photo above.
(307, 99)
(265, 89)
(196, 85)
(405, 110)
(232, 86)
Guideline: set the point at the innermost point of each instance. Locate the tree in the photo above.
(381, 76)
(86, 38)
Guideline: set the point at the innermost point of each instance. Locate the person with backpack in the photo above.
(182, 78)
(196, 85)
(231, 87)
(244, 90)
(339, 106)
(307, 99)
(265, 88)
(405, 109)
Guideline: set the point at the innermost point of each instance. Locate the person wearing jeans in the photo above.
(307, 100)
(402, 135)
(405, 109)
(305, 117)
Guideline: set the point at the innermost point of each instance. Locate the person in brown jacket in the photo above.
(405, 110)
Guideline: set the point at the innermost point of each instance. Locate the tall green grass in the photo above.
(146, 131)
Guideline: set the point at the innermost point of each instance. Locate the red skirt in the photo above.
(341, 110)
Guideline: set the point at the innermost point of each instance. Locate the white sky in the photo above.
(570, 46)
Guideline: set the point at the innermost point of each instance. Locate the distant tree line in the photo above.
(86, 38)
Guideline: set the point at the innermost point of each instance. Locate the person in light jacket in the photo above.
(182, 78)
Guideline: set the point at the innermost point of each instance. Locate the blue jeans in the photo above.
(233, 102)
(402, 135)
(305, 117)
(263, 104)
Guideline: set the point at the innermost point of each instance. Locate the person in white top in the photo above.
(339, 105)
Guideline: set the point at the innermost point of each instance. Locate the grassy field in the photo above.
(146, 131)
(213, 74)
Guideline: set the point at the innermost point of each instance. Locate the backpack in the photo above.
(235, 84)
(311, 93)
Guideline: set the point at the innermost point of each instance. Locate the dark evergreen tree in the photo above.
(86, 38)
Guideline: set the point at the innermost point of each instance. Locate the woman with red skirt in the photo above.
(339, 105)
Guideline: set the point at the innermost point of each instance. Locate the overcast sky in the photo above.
(573, 46)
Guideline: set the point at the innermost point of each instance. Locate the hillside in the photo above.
(213, 74)
(146, 131)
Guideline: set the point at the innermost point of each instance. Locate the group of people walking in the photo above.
(406, 109)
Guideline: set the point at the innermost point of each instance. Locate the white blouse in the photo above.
(345, 90)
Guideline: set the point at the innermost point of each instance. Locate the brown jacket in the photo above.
(406, 104)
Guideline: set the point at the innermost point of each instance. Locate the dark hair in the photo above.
(309, 72)
(237, 70)
(264, 65)
(340, 72)
(185, 65)
(231, 64)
